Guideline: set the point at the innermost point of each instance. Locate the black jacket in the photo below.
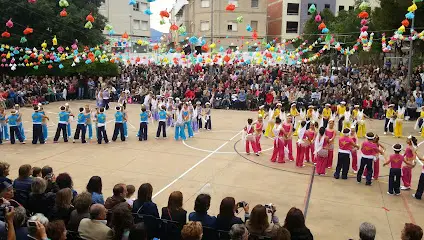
(301, 234)
(41, 203)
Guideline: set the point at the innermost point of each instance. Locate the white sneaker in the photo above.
(391, 194)
(397, 194)
(404, 188)
(363, 177)
(385, 133)
(372, 178)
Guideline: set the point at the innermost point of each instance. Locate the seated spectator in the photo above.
(48, 175)
(82, 210)
(367, 231)
(56, 230)
(226, 218)
(22, 185)
(119, 193)
(94, 187)
(282, 234)
(64, 180)
(39, 201)
(19, 222)
(33, 233)
(295, 223)
(138, 232)
(258, 223)
(94, 228)
(36, 172)
(239, 232)
(63, 207)
(4, 172)
(175, 211)
(411, 232)
(122, 221)
(200, 214)
(192, 231)
(6, 192)
(130, 193)
(143, 204)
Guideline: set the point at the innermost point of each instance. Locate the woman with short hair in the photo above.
(39, 201)
(200, 214)
(82, 207)
(94, 186)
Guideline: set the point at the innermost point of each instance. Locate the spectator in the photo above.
(175, 211)
(119, 193)
(36, 172)
(226, 218)
(82, 210)
(130, 193)
(22, 185)
(258, 223)
(138, 232)
(19, 222)
(63, 207)
(367, 231)
(200, 214)
(56, 230)
(122, 221)
(282, 234)
(64, 180)
(411, 232)
(39, 231)
(239, 232)
(39, 200)
(94, 187)
(94, 228)
(48, 175)
(143, 204)
(4, 172)
(295, 223)
(192, 231)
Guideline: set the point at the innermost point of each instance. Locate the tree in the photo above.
(43, 16)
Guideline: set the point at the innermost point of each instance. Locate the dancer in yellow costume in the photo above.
(360, 124)
(388, 123)
(272, 115)
(261, 111)
(399, 122)
(294, 113)
(326, 115)
(347, 120)
(419, 123)
(341, 109)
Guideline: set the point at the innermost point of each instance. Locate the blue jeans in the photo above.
(80, 93)
(179, 132)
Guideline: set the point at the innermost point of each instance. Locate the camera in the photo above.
(3, 210)
(241, 204)
(49, 177)
(270, 208)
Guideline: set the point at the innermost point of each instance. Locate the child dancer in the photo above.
(81, 126)
(154, 108)
(62, 124)
(301, 145)
(287, 138)
(326, 115)
(3, 125)
(12, 121)
(347, 121)
(44, 122)
(294, 113)
(101, 126)
(388, 124)
(341, 109)
(410, 162)
(321, 151)
(68, 126)
(331, 134)
(119, 127)
(250, 138)
(187, 120)
(301, 117)
(144, 120)
(87, 112)
(354, 151)
(171, 111)
(162, 122)
(420, 189)
(261, 111)
(208, 120)
(376, 163)
(419, 124)
(346, 145)
(278, 152)
(360, 124)
(199, 111)
(311, 134)
(271, 121)
(399, 122)
(369, 151)
(37, 128)
(179, 124)
(395, 161)
(20, 124)
(124, 123)
(193, 114)
(259, 126)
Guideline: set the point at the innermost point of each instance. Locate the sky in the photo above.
(156, 7)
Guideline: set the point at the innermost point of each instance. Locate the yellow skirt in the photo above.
(398, 129)
(345, 125)
(297, 130)
(422, 130)
(268, 130)
(361, 131)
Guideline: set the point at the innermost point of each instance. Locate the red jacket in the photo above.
(269, 98)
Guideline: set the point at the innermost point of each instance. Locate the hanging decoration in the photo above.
(312, 9)
(148, 12)
(63, 4)
(230, 7)
(9, 23)
(28, 30)
(239, 19)
(5, 34)
(54, 41)
(89, 18)
(63, 13)
(164, 14)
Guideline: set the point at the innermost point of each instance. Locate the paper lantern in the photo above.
(364, 22)
(32, 1)
(255, 35)
(230, 7)
(325, 30)
(162, 22)
(226, 58)
(54, 41)
(132, 2)
(239, 19)
(193, 40)
(312, 9)
(44, 45)
(248, 28)
(318, 18)
(155, 47)
(321, 26)
(108, 27)
(88, 25)
(90, 18)
(205, 48)
(9, 23)
(412, 8)
(363, 15)
(63, 13)
(364, 5)
(401, 29)
(212, 46)
(28, 30)
(173, 27)
(23, 40)
(148, 12)
(409, 15)
(164, 14)
(405, 23)
(125, 35)
(63, 3)
(49, 66)
(5, 34)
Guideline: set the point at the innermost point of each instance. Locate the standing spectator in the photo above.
(94, 228)
(91, 89)
(94, 187)
(295, 223)
(22, 185)
(106, 98)
(82, 208)
(412, 232)
(200, 214)
(175, 211)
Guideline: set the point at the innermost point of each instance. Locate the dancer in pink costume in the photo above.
(287, 138)
(250, 138)
(321, 151)
(278, 153)
(331, 134)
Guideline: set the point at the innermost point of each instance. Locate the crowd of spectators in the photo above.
(232, 86)
(40, 205)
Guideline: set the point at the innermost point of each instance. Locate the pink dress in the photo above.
(309, 154)
(288, 142)
(321, 158)
(407, 170)
(330, 134)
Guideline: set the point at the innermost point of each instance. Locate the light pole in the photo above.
(211, 21)
(411, 47)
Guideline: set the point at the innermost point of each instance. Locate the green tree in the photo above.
(43, 16)
(310, 30)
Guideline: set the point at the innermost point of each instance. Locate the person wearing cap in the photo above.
(12, 121)
(287, 137)
(369, 150)
(37, 128)
(354, 152)
(119, 126)
(81, 126)
(259, 128)
(144, 121)
(331, 135)
(187, 120)
(44, 122)
(208, 120)
(199, 114)
(376, 163)
(4, 131)
(346, 145)
(89, 123)
(101, 126)
(410, 156)
(249, 131)
(326, 115)
(62, 124)
(163, 115)
(19, 121)
(395, 160)
(341, 109)
(388, 124)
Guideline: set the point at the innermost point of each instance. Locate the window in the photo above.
(136, 7)
(254, 25)
(292, 9)
(234, 2)
(291, 27)
(144, 25)
(205, 3)
(143, 6)
(351, 8)
(341, 8)
(204, 26)
(136, 24)
(254, 3)
(326, 5)
(232, 26)
(309, 5)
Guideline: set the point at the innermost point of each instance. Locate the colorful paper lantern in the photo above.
(148, 12)
(88, 25)
(54, 41)
(173, 27)
(312, 9)
(5, 34)
(239, 19)
(405, 23)
(90, 18)
(63, 13)
(28, 30)
(230, 7)
(164, 14)
(9, 23)
(318, 18)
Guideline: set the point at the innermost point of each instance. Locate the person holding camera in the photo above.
(226, 217)
(258, 223)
